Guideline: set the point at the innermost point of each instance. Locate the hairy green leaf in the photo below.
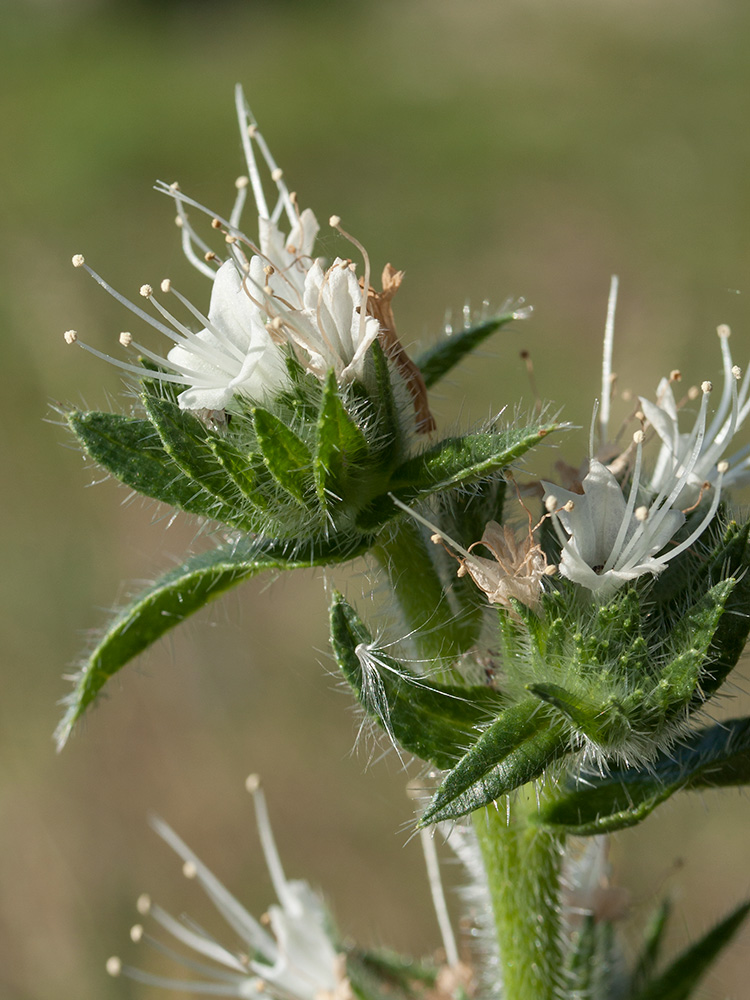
(132, 451)
(341, 448)
(437, 361)
(715, 757)
(514, 749)
(433, 721)
(286, 455)
(168, 602)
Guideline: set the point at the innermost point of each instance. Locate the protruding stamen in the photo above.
(609, 332)
(114, 966)
(78, 260)
(71, 336)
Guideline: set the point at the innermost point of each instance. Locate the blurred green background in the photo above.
(489, 149)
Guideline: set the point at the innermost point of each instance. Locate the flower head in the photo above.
(608, 540)
(677, 446)
(298, 960)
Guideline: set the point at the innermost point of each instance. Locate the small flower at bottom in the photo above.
(299, 960)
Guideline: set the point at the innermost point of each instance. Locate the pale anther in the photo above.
(707, 386)
(174, 186)
(638, 437)
(693, 392)
(215, 223)
(241, 182)
(334, 221)
(136, 933)
(252, 783)
(252, 131)
(570, 505)
(550, 503)
(178, 221)
(435, 539)
(230, 239)
(722, 467)
(736, 372)
(640, 415)
(71, 336)
(723, 330)
(114, 966)
(146, 291)
(550, 570)
(277, 174)
(125, 338)
(641, 513)
(166, 285)
(143, 904)
(78, 260)
(675, 375)
(189, 870)
(209, 256)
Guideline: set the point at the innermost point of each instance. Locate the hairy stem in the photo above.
(437, 632)
(523, 872)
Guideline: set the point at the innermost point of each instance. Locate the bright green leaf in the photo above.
(286, 455)
(341, 448)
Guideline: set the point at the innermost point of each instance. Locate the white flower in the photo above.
(677, 447)
(606, 540)
(332, 327)
(297, 961)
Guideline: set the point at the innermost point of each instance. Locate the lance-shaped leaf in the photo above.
(678, 982)
(249, 473)
(438, 360)
(715, 757)
(433, 721)
(605, 723)
(341, 448)
(168, 602)
(188, 442)
(653, 938)
(132, 451)
(513, 750)
(286, 455)
(454, 462)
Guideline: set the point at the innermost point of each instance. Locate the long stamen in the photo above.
(79, 261)
(438, 897)
(116, 968)
(246, 122)
(239, 202)
(270, 851)
(722, 468)
(198, 942)
(609, 331)
(630, 507)
(723, 332)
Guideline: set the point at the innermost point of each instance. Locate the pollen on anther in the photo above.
(334, 221)
(216, 223)
(71, 336)
(722, 467)
(252, 783)
(125, 338)
(143, 904)
(178, 221)
(277, 174)
(435, 538)
(230, 239)
(189, 869)
(166, 285)
(146, 291)
(174, 186)
(736, 372)
(78, 260)
(569, 506)
(268, 270)
(675, 375)
(638, 437)
(550, 570)
(136, 933)
(461, 571)
(252, 131)
(209, 256)
(550, 503)
(265, 919)
(641, 513)
(707, 386)
(723, 330)
(693, 392)
(241, 182)
(114, 966)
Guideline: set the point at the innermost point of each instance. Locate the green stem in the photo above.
(437, 632)
(523, 872)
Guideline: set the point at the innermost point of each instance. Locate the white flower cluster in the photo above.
(608, 538)
(266, 294)
(297, 961)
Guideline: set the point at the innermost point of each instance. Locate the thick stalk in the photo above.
(437, 632)
(523, 872)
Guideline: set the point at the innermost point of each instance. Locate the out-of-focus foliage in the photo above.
(490, 150)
